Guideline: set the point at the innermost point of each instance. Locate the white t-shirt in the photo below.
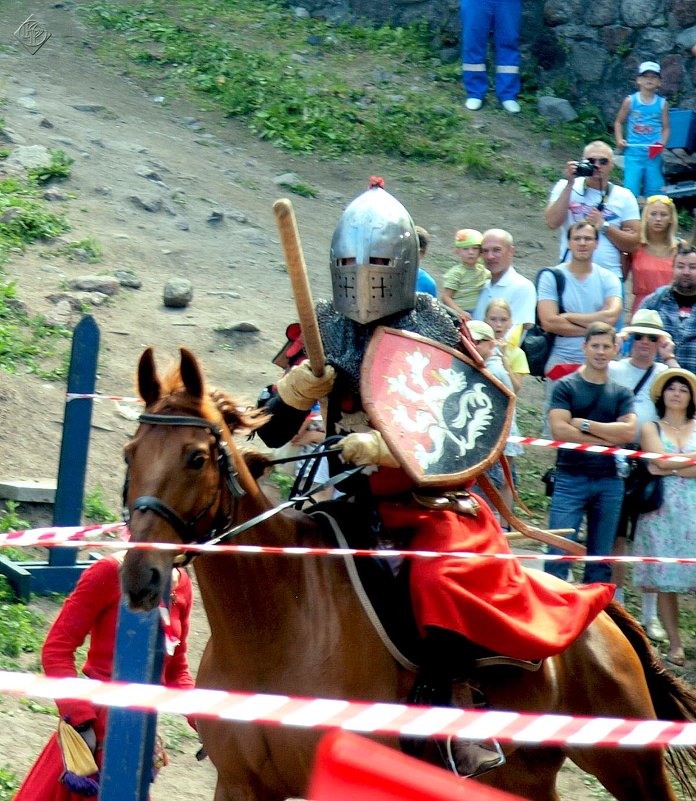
(626, 374)
(517, 290)
(620, 206)
(582, 296)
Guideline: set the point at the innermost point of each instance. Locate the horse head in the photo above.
(183, 473)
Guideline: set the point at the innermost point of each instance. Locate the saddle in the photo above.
(382, 586)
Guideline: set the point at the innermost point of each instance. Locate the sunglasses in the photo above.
(649, 337)
(602, 161)
(659, 199)
(685, 250)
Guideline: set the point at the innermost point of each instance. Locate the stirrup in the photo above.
(473, 758)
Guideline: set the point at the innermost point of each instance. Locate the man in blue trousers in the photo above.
(480, 18)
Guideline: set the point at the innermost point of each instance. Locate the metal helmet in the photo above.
(374, 257)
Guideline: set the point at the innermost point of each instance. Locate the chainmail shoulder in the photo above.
(346, 341)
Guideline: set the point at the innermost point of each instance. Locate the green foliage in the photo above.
(687, 224)
(21, 629)
(88, 249)
(333, 98)
(301, 189)
(23, 219)
(59, 168)
(26, 342)
(283, 482)
(95, 508)
(10, 520)
(9, 783)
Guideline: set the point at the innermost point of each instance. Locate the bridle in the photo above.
(229, 480)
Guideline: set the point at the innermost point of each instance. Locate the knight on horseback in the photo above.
(461, 606)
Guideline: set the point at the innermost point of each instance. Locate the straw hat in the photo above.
(647, 321)
(674, 372)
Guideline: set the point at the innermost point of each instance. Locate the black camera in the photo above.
(584, 168)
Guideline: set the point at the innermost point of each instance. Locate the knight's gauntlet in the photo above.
(301, 389)
(367, 448)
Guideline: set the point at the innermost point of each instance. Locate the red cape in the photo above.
(525, 614)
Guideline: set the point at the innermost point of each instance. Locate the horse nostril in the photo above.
(155, 578)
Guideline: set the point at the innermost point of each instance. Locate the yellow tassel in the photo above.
(77, 757)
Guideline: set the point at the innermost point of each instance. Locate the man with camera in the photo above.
(587, 193)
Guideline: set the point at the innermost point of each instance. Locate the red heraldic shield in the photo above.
(444, 419)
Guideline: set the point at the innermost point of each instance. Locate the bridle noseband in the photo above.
(229, 478)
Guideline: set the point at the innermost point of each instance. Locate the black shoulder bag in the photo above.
(537, 343)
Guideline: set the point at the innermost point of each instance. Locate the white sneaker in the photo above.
(655, 630)
(511, 106)
(473, 103)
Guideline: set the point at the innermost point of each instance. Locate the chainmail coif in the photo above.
(345, 341)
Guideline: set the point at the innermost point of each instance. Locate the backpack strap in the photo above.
(560, 283)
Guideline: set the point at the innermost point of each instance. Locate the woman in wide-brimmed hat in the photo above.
(669, 531)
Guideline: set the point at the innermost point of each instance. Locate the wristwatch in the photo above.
(585, 426)
(605, 227)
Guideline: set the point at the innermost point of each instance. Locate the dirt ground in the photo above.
(135, 143)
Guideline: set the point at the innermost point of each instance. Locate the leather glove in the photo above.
(301, 389)
(367, 448)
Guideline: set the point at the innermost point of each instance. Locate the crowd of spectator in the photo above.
(592, 395)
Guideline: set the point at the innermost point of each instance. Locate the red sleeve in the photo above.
(176, 668)
(96, 593)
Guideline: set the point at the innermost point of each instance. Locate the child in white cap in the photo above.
(646, 115)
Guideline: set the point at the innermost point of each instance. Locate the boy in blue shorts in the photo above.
(646, 115)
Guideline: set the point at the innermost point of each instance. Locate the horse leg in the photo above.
(628, 774)
(529, 773)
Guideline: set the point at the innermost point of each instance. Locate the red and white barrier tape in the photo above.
(59, 535)
(70, 396)
(377, 718)
(607, 450)
(76, 537)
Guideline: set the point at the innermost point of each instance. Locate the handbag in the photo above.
(537, 342)
(644, 492)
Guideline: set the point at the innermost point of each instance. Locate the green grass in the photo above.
(353, 91)
(21, 629)
(9, 783)
(58, 169)
(95, 508)
(26, 343)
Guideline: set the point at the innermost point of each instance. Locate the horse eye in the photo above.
(196, 460)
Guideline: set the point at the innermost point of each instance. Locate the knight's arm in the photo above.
(283, 423)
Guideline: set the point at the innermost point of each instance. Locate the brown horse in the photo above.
(293, 625)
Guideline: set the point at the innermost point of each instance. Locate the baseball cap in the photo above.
(467, 238)
(480, 330)
(649, 66)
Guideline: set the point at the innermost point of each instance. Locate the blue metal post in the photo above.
(61, 572)
(130, 735)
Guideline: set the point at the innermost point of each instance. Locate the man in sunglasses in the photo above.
(613, 210)
(676, 305)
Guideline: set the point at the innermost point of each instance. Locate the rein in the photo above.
(228, 478)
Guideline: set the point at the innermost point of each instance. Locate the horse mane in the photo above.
(174, 397)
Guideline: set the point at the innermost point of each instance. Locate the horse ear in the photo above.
(148, 383)
(191, 374)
